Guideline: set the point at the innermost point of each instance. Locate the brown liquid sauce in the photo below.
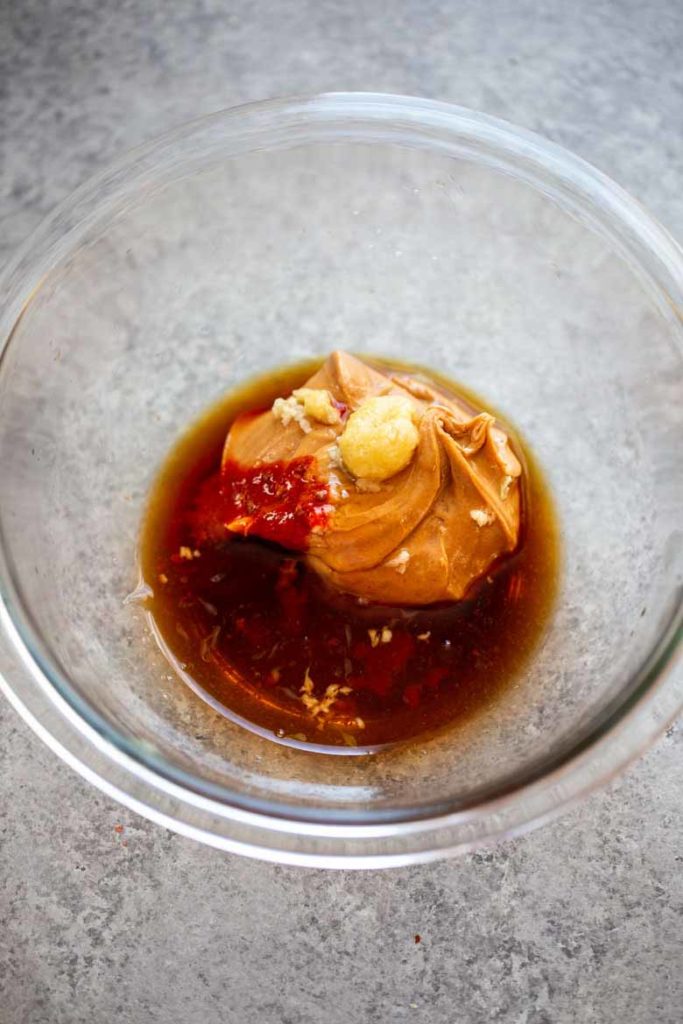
(246, 624)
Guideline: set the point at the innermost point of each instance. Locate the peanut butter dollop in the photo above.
(421, 534)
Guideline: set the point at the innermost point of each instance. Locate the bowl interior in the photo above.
(188, 284)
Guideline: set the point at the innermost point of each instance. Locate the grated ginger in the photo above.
(318, 405)
(380, 437)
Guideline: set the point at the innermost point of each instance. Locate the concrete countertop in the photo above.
(106, 917)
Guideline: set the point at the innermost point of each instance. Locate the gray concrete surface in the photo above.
(105, 917)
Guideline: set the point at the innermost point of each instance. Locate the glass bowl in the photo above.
(271, 233)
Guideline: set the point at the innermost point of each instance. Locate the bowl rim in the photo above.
(277, 831)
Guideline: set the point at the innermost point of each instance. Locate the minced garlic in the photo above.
(288, 410)
(380, 636)
(482, 517)
(334, 456)
(304, 405)
(337, 492)
(320, 706)
(188, 553)
(400, 561)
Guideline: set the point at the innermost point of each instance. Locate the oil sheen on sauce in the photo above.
(264, 640)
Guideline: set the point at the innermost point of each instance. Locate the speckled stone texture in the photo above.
(106, 917)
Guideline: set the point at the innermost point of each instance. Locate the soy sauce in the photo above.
(261, 637)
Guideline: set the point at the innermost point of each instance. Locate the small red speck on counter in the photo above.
(418, 938)
(118, 829)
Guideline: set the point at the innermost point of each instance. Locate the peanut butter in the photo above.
(425, 491)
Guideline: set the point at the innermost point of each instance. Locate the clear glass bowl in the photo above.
(270, 233)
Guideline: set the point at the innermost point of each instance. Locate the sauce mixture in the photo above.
(264, 639)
